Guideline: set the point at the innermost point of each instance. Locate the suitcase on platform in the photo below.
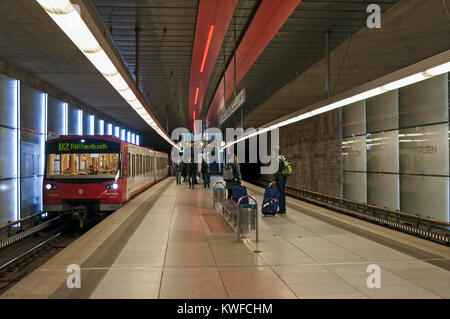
(271, 200)
(238, 192)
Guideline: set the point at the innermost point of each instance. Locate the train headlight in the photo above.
(48, 187)
(114, 186)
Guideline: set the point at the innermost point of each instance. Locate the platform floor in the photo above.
(170, 243)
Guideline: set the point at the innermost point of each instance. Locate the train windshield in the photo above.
(79, 165)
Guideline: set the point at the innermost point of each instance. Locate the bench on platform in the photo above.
(240, 217)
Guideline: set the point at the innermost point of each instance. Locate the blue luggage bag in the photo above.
(238, 192)
(271, 200)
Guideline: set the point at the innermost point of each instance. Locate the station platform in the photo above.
(170, 243)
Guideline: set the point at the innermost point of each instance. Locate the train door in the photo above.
(129, 175)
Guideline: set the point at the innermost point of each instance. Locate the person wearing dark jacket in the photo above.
(205, 174)
(178, 171)
(233, 180)
(192, 172)
(184, 170)
(280, 181)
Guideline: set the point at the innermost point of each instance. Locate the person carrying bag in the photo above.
(231, 176)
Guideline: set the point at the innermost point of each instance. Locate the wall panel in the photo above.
(354, 119)
(8, 100)
(425, 150)
(73, 120)
(425, 102)
(382, 112)
(383, 152)
(32, 139)
(425, 195)
(56, 116)
(355, 186)
(383, 190)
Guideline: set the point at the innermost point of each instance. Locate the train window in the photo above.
(82, 165)
(134, 165)
(128, 164)
(140, 164)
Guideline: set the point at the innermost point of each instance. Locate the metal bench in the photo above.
(240, 217)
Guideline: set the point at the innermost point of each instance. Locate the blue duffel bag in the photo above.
(271, 201)
(238, 192)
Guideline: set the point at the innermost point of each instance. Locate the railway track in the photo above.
(21, 258)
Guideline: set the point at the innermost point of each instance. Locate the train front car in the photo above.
(84, 176)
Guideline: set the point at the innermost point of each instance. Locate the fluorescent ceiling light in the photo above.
(405, 81)
(69, 20)
(128, 95)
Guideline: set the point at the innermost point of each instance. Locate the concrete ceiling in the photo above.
(411, 31)
(31, 41)
(298, 45)
(288, 75)
(167, 30)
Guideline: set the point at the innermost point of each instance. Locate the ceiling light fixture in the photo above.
(208, 42)
(69, 20)
(196, 96)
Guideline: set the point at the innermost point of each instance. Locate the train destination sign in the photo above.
(83, 146)
(72, 146)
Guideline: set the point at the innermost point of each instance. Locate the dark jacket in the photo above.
(204, 168)
(278, 176)
(237, 174)
(184, 167)
(192, 168)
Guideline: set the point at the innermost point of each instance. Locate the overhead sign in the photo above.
(234, 105)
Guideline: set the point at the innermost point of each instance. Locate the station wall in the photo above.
(29, 117)
(390, 151)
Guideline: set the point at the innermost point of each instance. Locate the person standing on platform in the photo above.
(178, 171)
(280, 177)
(231, 176)
(192, 172)
(205, 174)
(184, 167)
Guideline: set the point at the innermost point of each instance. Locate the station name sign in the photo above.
(83, 146)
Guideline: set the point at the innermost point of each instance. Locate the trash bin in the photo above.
(218, 193)
(247, 215)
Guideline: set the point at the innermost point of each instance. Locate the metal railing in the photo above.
(24, 227)
(424, 227)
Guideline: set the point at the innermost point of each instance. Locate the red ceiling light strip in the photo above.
(269, 18)
(30, 130)
(196, 96)
(193, 114)
(205, 54)
(213, 20)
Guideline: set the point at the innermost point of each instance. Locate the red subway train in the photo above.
(87, 176)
